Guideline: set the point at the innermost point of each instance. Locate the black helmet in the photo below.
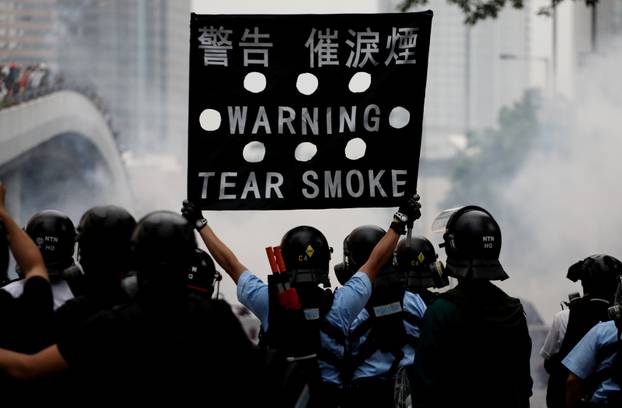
(202, 274)
(55, 235)
(104, 235)
(598, 275)
(416, 259)
(357, 247)
(472, 241)
(306, 255)
(163, 247)
(4, 255)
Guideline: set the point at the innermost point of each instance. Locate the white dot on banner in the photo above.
(210, 119)
(359, 82)
(255, 82)
(355, 149)
(305, 151)
(399, 117)
(307, 83)
(254, 152)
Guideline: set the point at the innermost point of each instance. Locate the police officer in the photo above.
(104, 234)
(474, 347)
(299, 246)
(165, 345)
(55, 235)
(202, 275)
(598, 275)
(595, 363)
(383, 337)
(416, 259)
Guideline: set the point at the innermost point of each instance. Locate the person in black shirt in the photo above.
(25, 320)
(474, 347)
(165, 344)
(104, 234)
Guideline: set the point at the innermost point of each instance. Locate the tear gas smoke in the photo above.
(566, 197)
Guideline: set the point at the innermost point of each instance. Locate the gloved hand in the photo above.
(408, 212)
(193, 214)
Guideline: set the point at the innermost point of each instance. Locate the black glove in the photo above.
(193, 214)
(406, 214)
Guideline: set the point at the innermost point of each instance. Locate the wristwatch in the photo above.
(399, 217)
(200, 223)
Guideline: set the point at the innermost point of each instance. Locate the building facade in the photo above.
(134, 55)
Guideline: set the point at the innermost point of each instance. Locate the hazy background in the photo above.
(528, 133)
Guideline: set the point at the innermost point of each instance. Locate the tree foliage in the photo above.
(494, 156)
(476, 10)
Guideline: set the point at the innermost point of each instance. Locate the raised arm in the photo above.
(25, 251)
(408, 212)
(218, 249)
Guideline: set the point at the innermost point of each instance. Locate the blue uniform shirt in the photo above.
(582, 360)
(347, 304)
(379, 363)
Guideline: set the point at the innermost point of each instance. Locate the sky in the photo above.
(284, 6)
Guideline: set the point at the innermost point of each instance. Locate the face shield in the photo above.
(440, 222)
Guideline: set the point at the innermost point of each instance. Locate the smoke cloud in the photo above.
(567, 196)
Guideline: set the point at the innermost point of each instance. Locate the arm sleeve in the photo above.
(349, 301)
(253, 293)
(581, 361)
(554, 338)
(414, 305)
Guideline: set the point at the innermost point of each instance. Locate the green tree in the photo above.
(494, 156)
(476, 10)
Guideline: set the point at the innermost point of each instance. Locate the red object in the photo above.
(272, 260)
(293, 301)
(279, 259)
(288, 297)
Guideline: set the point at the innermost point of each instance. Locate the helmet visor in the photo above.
(440, 222)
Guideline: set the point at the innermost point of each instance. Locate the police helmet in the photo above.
(104, 234)
(357, 247)
(306, 255)
(598, 274)
(163, 247)
(4, 255)
(55, 235)
(472, 242)
(202, 275)
(416, 259)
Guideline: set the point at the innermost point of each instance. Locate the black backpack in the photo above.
(294, 350)
(585, 313)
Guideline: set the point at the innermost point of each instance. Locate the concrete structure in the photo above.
(28, 126)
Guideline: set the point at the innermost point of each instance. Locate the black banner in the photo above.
(305, 111)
